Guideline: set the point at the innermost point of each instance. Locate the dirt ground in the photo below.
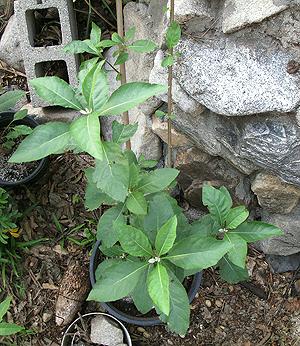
(267, 313)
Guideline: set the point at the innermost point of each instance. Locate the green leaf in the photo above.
(166, 236)
(217, 201)
(95, 87)
(129, 96)
(173, 35)
(122, 133)
(206, 226)
(143, 46)
(168, 61)
(9, 99)
(157, 180)
(195, 253)
(122, 58)
(86, 133)
(136, 203)
(104, 267)
(159, 212)
(19, 130)
(4, 306)
(51, 138)
(160, 114)
(21, 114)
(56, 91)
(257, 230)
(130, 33)
(237, 255)
(179, 318)
(114, 251)
(232, 273)
(77, 47)
(94, 197)
(140, 295)
(9, 328)
(158, 287)
(117, 38)
(134, 241)
(109, 225)
(112, 174)
(143, 163)
(95, 34)
(106, 44)
(236, 216)
(133, 175)
(120, 281)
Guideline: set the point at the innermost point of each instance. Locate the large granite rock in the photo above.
(274, 195)
(239, 13)
(288, 244)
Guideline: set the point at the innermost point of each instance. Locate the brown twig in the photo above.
(120, 24)
(100, 15)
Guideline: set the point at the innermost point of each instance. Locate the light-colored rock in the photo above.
(104, 331)
(239, 13)
(10, 48)
(236, 79)
(288, 244)
(160, 128)
(197, 167)
(274, 195)
(186, 10)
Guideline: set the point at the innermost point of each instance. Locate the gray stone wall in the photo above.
(236, 100)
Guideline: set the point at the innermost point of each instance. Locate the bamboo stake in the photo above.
(170, 99)
(120, 25)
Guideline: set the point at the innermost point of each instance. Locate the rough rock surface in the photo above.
(282, 264)
(288, 244)
(274, 195)
(239, 13)
(105, 331)
(10, 49)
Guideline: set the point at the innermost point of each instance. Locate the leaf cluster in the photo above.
(6, 328)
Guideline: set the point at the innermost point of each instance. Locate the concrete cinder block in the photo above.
(35, 57)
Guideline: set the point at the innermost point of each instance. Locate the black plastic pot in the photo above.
(139, 321)
(5, 119)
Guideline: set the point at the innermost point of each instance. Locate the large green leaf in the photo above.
(122, 133)
(206, 226)
(51, 138)
(230, 272)
(142, 46)
(119, 282)
(95, 34)
(9, 99)
(157, 180)
(86, 133)
(140, 295)
(78, 47)
(129, 96)
(95, 87)
(179, 318)
(218, 202)
(4, 306)
(56, 91)
(112, 173)
(236, 216)
(166, 236)
(108, 226)
(159, 212)
(134, 241)
(136, 203)
(158, 287)
(104, 267)
(257, 230)
(237, 255)
(173, 35)
(9, 329)
(94, 197)
(195, 253)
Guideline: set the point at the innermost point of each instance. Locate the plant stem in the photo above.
(170, 99)
(100, 15)
(120, 25)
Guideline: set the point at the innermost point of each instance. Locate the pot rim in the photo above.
(43, 163)
(125, 331)
(139, 321)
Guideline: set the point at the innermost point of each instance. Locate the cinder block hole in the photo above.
(56, 68)
(44, 28)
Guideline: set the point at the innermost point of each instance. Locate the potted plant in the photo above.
(13, 128)
(144, 231)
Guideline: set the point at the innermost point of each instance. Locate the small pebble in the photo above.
(219, 304)
(146, 335)
(47, 317)
(140, 329)
(208, 303)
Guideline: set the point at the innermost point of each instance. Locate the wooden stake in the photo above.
(120, 25)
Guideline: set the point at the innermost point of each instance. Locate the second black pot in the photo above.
(138, 321)
(5, 119)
